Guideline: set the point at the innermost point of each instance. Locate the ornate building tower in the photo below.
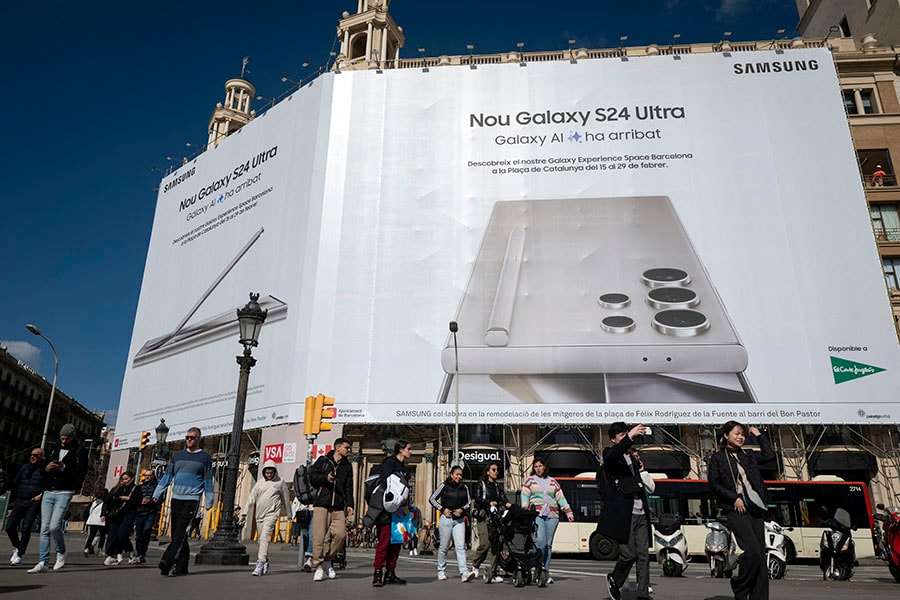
(235, 112)
(369, 39)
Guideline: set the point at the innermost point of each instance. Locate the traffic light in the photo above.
(325, 410)
(318, 408)
(145, 440)
(310, 420)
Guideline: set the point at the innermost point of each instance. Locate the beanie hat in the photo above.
(67, 430)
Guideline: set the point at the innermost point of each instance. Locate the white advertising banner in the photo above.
(659, 239)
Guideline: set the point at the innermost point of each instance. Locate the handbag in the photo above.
(752, 499)
(629, 486)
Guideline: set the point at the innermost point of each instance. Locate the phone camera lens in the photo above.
(680, 322)
(614, 301)
(661, 276)
(672, 297)
(617, 324)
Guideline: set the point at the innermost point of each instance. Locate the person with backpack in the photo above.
(391, 474)
(267, 498)
(332, 476)
(487, 495)
(625, 514)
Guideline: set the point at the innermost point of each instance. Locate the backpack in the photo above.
(303, 489)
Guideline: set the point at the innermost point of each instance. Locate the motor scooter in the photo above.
(890, 539)
(776, 556)
(670, 545)
(837, 551)
(721, 549)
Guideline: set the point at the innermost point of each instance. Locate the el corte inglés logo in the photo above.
(845, 370)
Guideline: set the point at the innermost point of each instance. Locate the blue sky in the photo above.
(100, 93)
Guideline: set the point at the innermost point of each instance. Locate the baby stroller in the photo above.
(512, 544)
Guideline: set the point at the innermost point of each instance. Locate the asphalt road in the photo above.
(87, 578)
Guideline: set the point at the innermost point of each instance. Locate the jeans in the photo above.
(543, 537)
(455, 529)
(143, 527)
(636, 552)
(118, 534)
(53, 511)
(305, 541)
(178, 552)
(24, 514)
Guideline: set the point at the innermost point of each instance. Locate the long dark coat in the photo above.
(615, 518)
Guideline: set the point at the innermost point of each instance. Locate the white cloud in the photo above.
(26, 352)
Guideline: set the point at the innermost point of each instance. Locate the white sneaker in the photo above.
(465, 577)
(120, 558)
(60, 561)
(549, 580)
(442, 576)
(497, 579)
(331, 573)
(134, 560)
(258, 570)
(15, 559)
(415, 551)
(319, 574)
(266, 568)
(307, 566)
(473, 573)
(41, 567)
(110, 561)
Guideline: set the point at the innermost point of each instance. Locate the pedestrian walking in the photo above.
(487, 495)
(735, 479)
(28, 484)
(332, 475)
(452, 500)
(66, 467)
(120, 510)
(625, 515)
(96, 524)
(145, 516)
(190, 475)
(303, 522)
(267, 499)
(391, 474)
(542, 493)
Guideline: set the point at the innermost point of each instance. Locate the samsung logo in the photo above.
(778, 66)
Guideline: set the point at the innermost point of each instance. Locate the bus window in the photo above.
(700, 510)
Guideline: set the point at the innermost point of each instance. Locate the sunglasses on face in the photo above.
(191, 437)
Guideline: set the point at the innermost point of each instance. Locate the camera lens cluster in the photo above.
(670, 295)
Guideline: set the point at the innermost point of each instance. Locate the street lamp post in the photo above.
(225, 548)
(37, 332)
(454, 328)
(158, 464)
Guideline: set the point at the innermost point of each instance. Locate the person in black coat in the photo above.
(625, 514)
(487, 494)
(29, 484)
(66, 467)
(733, 473)
(332, 474)
(387, 553)
(120, 510)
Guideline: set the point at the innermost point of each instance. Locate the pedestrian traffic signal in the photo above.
(325, 410)
(145, 440)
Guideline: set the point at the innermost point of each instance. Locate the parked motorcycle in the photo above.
(890, 540)
(837, 551)
(721, 549)
(776, 553)
(670, 545)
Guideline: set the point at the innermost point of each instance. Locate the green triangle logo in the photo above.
(845, 370)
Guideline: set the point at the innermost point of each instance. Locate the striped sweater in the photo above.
(190, 474)
(545, 496)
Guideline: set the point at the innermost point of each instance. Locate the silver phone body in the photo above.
(533, 301)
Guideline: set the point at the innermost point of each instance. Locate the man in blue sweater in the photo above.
(190, 473)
